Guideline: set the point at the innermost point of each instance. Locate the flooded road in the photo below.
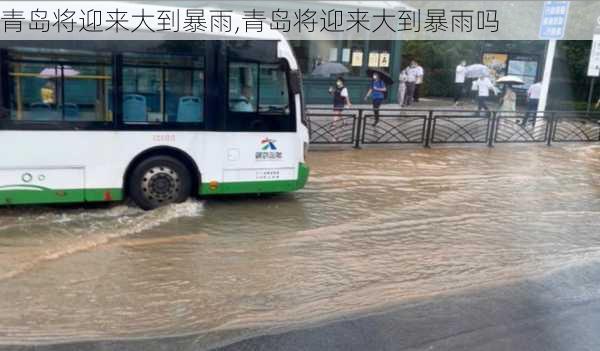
(372, 228)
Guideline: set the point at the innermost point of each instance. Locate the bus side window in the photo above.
(163, 88)
(243, 79)
(44, 89)
(273, 90)
(258, 97)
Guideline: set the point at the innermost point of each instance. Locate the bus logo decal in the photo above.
(268, 144)
(268, 151)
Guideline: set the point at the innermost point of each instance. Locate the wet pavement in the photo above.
(373, 231)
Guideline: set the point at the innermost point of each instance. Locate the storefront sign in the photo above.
(333, 54)
(384, 59)
(346, 55)
(496, 62)
(373, 59)
(357, 59)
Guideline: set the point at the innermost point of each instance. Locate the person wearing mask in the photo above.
(411, 79)
(341, 99)
(533, 99)
(484, 85)
(420, 74)
(402, 87)
(377, 93)
(459, 82)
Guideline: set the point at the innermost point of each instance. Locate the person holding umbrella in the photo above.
(377, 91)
(509, 98)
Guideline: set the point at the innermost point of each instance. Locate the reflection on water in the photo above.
(373, 227)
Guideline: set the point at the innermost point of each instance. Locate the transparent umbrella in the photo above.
(477, 70)
(510, 80)
(55, 72)
(328, 68)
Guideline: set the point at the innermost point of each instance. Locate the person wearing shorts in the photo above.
(341, 99)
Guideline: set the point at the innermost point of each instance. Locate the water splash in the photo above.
(88, 229)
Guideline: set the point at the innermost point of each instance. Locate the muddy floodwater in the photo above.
(372, 228)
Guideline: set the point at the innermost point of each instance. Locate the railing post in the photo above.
(428, 128)
(551, 130)
(492, 131)
(358, 129)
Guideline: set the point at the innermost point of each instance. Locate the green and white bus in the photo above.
(155, 121)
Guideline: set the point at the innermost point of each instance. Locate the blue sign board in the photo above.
(554, 20)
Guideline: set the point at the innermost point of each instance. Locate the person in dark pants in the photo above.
(411, 80)
(377, 93)
(459, 82)
(484, 85)
(420, 73)
(533, 99)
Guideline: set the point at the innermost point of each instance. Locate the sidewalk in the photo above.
(425, 104)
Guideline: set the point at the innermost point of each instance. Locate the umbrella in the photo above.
(383, 75)
(510, 80)
(477, 70)
(328, 68)
(55, 72)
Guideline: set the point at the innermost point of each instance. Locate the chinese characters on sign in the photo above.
(554, 20)
(90, 20)
(268, 155)
(267, 174)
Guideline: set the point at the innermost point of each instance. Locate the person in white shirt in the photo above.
(341, 100)
(533, 99)
(411, 80)
(484, 85)
(459, 81)
(420, 73)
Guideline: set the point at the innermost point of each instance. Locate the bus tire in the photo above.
(158, 181)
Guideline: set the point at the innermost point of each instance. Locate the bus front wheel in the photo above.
(159, 181)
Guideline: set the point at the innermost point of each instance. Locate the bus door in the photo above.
(260, 112)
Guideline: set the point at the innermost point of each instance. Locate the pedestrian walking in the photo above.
(341, 99)
(420, 75)
(484, 85)
(402, 87)
(377, 93)
(509, 100)
(533, 99)
(459, 82)
(411, 80)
